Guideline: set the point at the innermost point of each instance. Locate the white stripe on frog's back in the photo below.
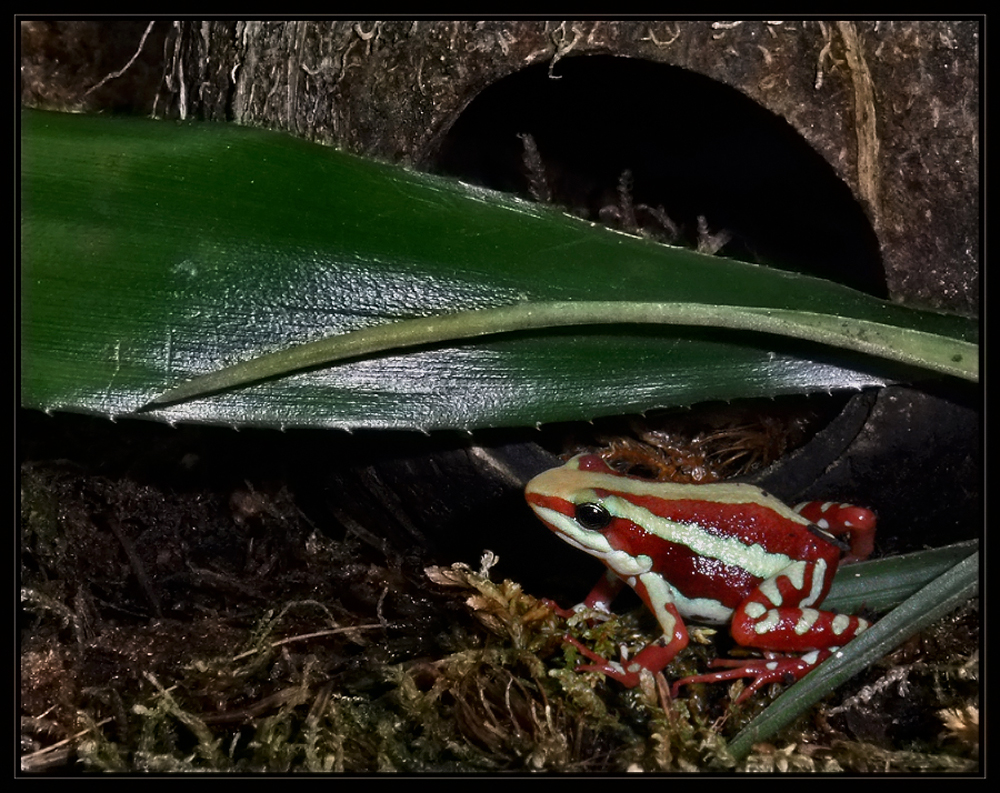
(573, 486)
(729, 550)
(568, 482)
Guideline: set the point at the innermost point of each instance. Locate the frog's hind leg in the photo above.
(778, 617)
(779, 613)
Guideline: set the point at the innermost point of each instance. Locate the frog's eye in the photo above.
(592, 516)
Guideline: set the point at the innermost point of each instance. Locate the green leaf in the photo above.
(155, 252)
(881, 584)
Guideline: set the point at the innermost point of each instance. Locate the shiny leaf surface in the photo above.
(153, 252)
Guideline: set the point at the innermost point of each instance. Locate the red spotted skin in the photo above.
(712, 553)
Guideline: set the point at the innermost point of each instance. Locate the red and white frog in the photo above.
(716, 553)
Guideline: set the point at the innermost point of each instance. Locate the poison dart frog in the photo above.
(715, 553)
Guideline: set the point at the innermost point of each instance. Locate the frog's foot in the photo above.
(654, 657)
(557, 609)
(597, 614)
(627, 676)
(772, 668)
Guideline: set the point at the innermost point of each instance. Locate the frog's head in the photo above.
(577, 502)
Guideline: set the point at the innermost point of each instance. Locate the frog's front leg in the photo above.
(654, 656)
(778, 616)
(599, 599)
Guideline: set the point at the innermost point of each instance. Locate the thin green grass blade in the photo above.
(881, 584)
